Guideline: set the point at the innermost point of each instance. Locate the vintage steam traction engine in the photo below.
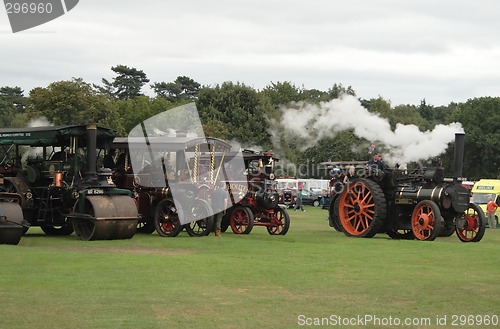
(53, 170)
(192, 163)
(420, 204)
(259, 203)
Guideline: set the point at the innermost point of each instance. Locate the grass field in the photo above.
(251, 281)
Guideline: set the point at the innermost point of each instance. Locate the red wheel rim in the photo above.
(169, 218)
(357, 209)
(239, 220)
(423, 221)
(167, 227)
(279, 221)
(469, 232)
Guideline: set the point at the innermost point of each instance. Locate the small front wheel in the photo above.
(282, 221)
(472, 225)
(167, 222)
(202, 226)
(426, 220)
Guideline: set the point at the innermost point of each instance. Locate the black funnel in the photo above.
(458, 160)
(91, 151)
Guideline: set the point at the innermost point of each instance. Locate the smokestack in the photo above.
(458, 160)
(91, 150)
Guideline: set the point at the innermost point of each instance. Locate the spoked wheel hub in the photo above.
(281, 220)
(361, 209)
(357, 208)
(472, 225)
(166, 220)
(426, 220)
(423, 221)
(241, 220)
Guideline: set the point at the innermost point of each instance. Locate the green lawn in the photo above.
(251, 281)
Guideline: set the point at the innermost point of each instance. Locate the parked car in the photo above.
(313, 198)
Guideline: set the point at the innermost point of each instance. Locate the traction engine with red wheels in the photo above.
(418, 205)
(259, 203)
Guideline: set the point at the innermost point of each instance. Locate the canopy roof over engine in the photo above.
(54, 136)
(204, 144)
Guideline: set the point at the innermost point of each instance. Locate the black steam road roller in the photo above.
(54, 171)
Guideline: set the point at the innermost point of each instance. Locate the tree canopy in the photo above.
(127, 83)
(238, 112)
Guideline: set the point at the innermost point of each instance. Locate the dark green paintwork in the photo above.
(54, 136)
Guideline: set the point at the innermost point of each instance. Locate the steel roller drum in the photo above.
(111, 217)
(11, 223)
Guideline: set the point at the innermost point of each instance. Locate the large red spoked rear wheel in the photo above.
(282, 221)
(426, 220)
(362, 208)
(241, 220)
(471, 227)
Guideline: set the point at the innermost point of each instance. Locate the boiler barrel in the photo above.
(407, 195)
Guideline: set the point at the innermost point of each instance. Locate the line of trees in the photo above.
(235, 111)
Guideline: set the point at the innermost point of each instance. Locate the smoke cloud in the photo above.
(39, 122)
(405, 144)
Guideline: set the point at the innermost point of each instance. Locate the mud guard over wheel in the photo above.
(282, 219)
(106, 217)
(241, 220)
(202, 226)
(471, 225)
(426, 221)
(167, 222)
(361, 208)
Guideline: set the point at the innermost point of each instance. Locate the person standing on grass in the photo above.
(298, 203)
(219, 204)
(491, 208)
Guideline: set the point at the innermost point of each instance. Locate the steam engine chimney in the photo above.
(91, 151)
(458, 160)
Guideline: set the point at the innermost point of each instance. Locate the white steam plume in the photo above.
(39, 122)
(35, 152)
(405, 144)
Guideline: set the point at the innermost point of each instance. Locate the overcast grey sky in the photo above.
(402, 50)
